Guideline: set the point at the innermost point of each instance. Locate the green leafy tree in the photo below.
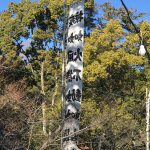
(115, 77)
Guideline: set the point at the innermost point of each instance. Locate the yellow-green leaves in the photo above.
(118, 59)
(103, 40)
(113, 30)
(103, 51)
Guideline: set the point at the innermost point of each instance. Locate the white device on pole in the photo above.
(142, 50)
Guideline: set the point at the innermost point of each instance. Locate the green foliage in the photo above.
(113, 106)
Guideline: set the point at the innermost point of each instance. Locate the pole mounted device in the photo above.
(142, 51)
(143, 46)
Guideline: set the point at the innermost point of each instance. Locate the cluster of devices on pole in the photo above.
(74, 71)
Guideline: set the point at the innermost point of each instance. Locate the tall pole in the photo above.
(143, 44)
(63, 53)
(73, 76)
(63, 72)
(147, 118)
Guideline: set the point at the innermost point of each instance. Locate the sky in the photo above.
(4, 4)
(139, 5)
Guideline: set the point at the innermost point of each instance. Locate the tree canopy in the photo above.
(115, 77)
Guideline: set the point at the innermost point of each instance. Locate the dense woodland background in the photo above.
(115, 77)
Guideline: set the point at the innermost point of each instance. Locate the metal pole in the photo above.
(147, 118)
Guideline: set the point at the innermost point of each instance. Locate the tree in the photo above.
(115, 77)
(30, 48)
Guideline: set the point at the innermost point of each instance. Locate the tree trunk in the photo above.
(56, 80)
(99, 143)
(43, 102)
